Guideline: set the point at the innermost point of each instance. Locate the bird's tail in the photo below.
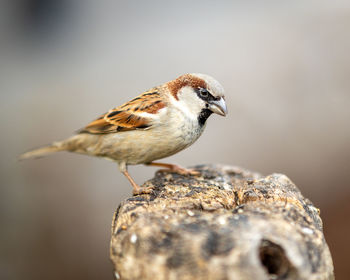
(55, 147)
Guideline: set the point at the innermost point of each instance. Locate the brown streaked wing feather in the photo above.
(125, 117)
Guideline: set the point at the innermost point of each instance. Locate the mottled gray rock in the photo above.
(227, 223)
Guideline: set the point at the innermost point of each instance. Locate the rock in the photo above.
(227, 223)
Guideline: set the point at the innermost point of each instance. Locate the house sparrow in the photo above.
(156, 124)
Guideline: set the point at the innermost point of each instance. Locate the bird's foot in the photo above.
(183, 171)
(142, 190)
(136, 189)
(175, 168)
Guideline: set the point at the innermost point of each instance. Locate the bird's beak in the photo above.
(218, 107)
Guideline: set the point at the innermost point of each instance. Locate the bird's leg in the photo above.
(136, 188)
(175, 168)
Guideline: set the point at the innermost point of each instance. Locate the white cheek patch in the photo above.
(188, 102)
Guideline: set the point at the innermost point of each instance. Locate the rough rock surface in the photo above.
(227, 223)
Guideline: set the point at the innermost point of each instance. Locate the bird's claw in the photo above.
(142, 190)
(181, 171)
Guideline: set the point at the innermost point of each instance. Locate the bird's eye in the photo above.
(203, 92)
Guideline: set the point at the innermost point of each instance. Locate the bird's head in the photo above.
(199, 95)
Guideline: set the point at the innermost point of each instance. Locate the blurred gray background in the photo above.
(286, 70)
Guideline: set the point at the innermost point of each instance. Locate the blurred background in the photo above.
(285, 67)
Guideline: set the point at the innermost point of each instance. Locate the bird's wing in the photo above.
(138, 113)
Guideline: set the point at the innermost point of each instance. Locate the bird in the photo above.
(156, 124)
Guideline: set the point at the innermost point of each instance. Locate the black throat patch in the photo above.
(203, 116)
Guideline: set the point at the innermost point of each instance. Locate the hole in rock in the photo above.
(274, 259)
